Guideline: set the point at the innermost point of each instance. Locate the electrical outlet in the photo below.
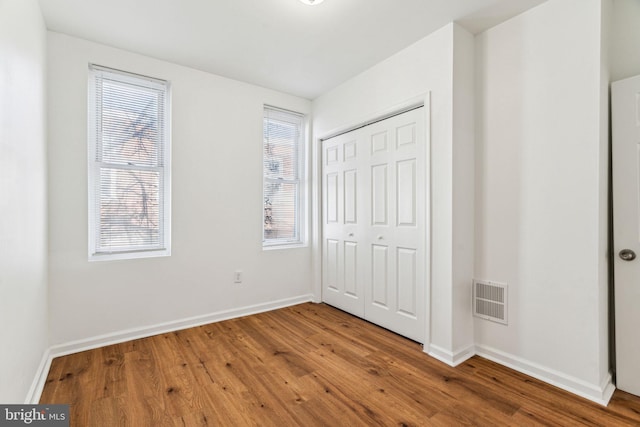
(237, 278)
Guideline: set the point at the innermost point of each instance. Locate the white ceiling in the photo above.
(280, 44)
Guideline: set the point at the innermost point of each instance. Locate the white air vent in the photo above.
(490, 301)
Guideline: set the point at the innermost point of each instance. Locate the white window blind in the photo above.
(128, 165)
(283, 170)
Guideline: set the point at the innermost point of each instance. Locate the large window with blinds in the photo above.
(129, 182)
(283, 172)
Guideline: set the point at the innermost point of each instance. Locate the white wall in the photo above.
(625, 39)
(426, 66)
(541, 192)
(23, 198)
(216, 204)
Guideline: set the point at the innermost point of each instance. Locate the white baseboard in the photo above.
(600, 393)
(450, 358)
(147, 331)
(33, 396)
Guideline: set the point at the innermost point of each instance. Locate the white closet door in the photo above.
(395, 200)
(374, 227)
(343, 227)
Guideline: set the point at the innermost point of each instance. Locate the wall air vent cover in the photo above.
(490, 301)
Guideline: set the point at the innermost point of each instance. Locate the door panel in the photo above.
(625, 98)
(332, 198)
(332, 265)
(342, 286)
(374, 191)
(379, 142)
(379, 277)
(406, 191)
(350, 150)
(406, 262)
(406, 135)
(351, 196)
(351, 269)
(379, 194)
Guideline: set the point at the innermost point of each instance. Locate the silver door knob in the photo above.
(380, 237)
(350, 234)
(627, 255)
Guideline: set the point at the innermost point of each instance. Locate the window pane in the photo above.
(280, 149)
(129, 209)
(280, 207)
(130, 131)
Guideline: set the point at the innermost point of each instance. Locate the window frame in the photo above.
(299, 119)
(94, 166)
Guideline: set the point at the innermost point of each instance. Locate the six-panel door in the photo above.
(374, 223)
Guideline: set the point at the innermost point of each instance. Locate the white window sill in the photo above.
(114, 256)
(275, 246)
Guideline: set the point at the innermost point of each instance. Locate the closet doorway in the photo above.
(374, 222)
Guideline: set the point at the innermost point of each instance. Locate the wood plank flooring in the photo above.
(307, 365)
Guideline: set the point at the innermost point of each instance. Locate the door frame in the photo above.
(422, 100)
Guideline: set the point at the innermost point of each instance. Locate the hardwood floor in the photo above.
(305, 365)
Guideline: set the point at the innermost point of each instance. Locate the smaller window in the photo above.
(283, 173)
(129, 204)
